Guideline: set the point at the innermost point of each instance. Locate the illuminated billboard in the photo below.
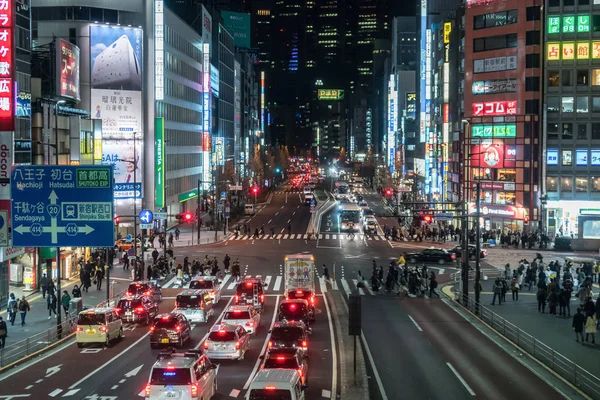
(556, 51)
(496, 131)
(159, 50)
(392, 115)
(67, 69)
(7, 83)
(494, 64)
(330, 94)
(494, 86)
(568, 24)
(238, 25)
(490, 108)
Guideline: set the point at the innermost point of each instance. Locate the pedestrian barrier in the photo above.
(585, 381)
(37, 343)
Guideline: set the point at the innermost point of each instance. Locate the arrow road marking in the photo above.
(134, 371)
(70, 393)
(53, 370)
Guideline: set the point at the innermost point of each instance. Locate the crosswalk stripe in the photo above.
(355, 281)
(320, 236)
(267, 281)
(305, 237)
(376, 237)
(232, 285)
(323, 285)
(285, 236)
(335, 236)
(225, 279)
(326, 236)
(258, 276)
(278, 236)
(368, 289)
(277, 283)
(346, 287)
(248, 277)
(299, 236)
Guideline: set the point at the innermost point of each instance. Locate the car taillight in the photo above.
(212, 293)
(312, 299)
(147, 293)
(194, 388)
(205, 345)
(148, 390)
(128, 293)
(152, 329)
(139, 309)
(270, 345)
(262, 298)
(304, 344)
(237, 298)
(79, 328)
(251, 324)
(237, 345)
(103, 329)
(178, 328)
(117, 309)
(452, 255)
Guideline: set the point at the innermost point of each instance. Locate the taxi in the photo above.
(246, 316)
(276, 383)
(171, 328)
(226, 342)
(183, 376)
(98, 325)
(293, 359)
(125, 245)
(146, 288)
(211, 283)
(289, 335)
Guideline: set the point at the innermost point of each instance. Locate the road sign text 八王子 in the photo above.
(62, 206)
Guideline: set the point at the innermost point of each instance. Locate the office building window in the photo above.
(532, 84)
(595, 77)
(568, 3)
(567, 158)
(553, 78)
(532, 38)
(554, 3)
(582, 104)
(532, 60)
(495, 42)
(582, 131)
(495, 19)
(553, 104)
(582, 77)
(567, 104)
(581, 184)
(552, 130)
(566, 79)
(595, 104)
(551, 184)
(595, 131)
(533, 13)
(567, 131)
(595, 184)
(566, 184)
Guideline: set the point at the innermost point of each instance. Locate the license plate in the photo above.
(165, 340)
(172, 395)
(90, 331)
(128, 313)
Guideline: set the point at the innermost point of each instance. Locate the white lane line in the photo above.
(415, 322)
(333, 350)
(114, 387)
(39, 381)
(276, 213)
(326, 394)
(225, 279)
(70, 393)
(373, 367)
(277, 283)
(248, 277)
(267, 224)
(294, 213)
(359, 290)
(346, 288)
(258, 360)
(168, 284)
(100, 368)
(216, 322)
(234, 393)
(323, 285)
(460, 378)
(55, 392)
(289, 220)
(268, 281)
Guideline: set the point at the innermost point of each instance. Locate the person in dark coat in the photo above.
(76, 292)
(99, 276)
(3, 332)
(87, 281)
(541, 299)
(578, 324)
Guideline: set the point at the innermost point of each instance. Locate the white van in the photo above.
(276, 384)
(249, 209)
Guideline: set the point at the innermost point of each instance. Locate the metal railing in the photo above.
(26, 347)
(587, 382)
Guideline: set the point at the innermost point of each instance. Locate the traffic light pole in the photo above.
(198, 209)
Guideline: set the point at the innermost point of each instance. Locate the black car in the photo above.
(250, 291)
(289, 335)
(168, 329)
(432, 255)
(146, 288)
(304, 294)
(472, 252)
(137, 309)
(294, 310)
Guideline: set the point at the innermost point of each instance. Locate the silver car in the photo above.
(226, 342)
(246, 316)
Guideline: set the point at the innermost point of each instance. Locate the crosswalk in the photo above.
(288, 192)
(300, 236)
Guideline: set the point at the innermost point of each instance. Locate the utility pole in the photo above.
(464, 244)
(58, 288)
(198, 211)
(478, 248)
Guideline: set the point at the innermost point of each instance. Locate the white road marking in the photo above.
(234, 393)
(258, 360)
(333, 350)
(323, 285)
(70, 393)
(28, 387)
(269, 221)
(114, 387)
(326, 236)
(267, 281)
(305, 236)
(294, 213)
(232, 285)
(373, 367)
(216, 322)
(359, 290)
(248, 276)
(282, 230)
(346, 288)
(39, 381)
(282, 207)
(277, 283)
(168, 284)
(289, 220)
(326, 394)
(278, 236)
(225, 279)
(415, 322)
(320, 236)
(460, 378)
(276, 213)
(285, 236)
(335, 236)
(55, 392)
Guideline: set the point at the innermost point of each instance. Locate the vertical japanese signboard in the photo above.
(159, 162)
(159, 50)
(67, 69)
(7, 89)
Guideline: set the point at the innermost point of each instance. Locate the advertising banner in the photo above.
(494, 108)
(6, 160)
(214, 80)
(497, 130)
(128, 166)
(159, 161)
(7, 84)
(495, 86)
(120, 112)
(493, 64)
(67, 69)
(238, 25)
(488, 155)
(219, 150)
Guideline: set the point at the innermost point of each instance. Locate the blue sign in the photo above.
(146, 216)
(128, 238)
(214, 80)
(62, 206)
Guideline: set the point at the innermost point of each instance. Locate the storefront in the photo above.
(18, 264)
(499, 217)
(68, 262)
(563, 216)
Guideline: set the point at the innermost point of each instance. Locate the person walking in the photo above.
(126, 261)
(541, 299)
(578, 325)
(325, 272)
(177, 233)
(590, 327)
(11, 308)
(51, 302)
(76, 292)
(24, 307)
(432, 286)
(514, 287)
(44, 284)
(98, 277)
(497, 292)
(65, 302)
(3, 333)
(171, 239)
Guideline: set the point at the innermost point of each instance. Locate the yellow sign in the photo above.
(447, 30)
(568, 51)
(583, 51)
(553, 52)
(595, 49)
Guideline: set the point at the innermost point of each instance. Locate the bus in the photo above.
(351, 216)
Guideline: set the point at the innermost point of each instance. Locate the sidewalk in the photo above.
(37, 321)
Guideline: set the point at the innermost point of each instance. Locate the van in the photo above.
(276, 384)
(98, 325)
(249, 209)
(196, 305)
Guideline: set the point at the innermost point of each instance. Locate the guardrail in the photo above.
(36, 343)
(587, 382)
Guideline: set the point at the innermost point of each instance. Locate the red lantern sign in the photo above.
(7, 90)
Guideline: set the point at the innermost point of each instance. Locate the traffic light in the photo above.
(427, 219)
(188, 217)
(526, 220)
(117, 220)
(254, 190)
(388, 192)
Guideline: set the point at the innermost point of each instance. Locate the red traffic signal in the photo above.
(255, 190)
(117, 220)
(427, 218)
(388, 192)
(187, 217)
(526, 220)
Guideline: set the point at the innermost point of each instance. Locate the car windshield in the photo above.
(201, 284)
(293, 310)
(281, 362)
(237, 315)
(130, 303)
(270, 394)
(165, 322)
(164, 376)
(368, 212)
(189, 301)
(287, 333)
(91, 319)
(136, 288)
(221, 336)
(299, 294)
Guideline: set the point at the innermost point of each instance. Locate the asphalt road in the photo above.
(284, 209)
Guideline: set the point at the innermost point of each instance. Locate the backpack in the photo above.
(14, 306)
(22, 305)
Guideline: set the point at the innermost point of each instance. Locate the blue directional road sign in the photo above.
(62, 206)
(146, 216)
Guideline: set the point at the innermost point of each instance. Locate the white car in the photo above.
(363, 204)
(370, 225)
(208, 283)
(244, 315)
